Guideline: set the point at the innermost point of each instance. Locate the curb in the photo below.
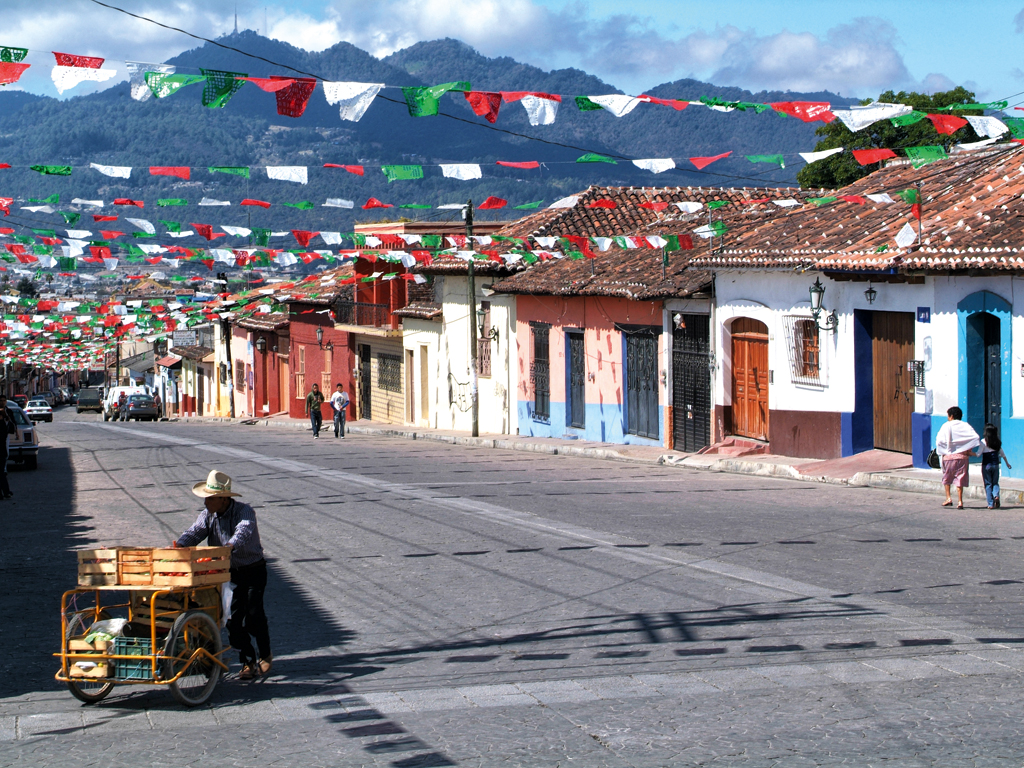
(696, 462)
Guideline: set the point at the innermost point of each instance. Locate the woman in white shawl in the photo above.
(954, 444)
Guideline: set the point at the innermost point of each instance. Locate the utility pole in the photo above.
(473, 383)
(920, 214)
(225, 332)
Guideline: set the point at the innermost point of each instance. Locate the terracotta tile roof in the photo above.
(420, 310)
(267, 321)
(972, 218)
(192, 353)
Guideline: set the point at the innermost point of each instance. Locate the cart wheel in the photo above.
(192, 630)
(89, 692)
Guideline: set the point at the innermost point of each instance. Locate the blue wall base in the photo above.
(604, 424)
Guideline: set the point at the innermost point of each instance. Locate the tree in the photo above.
(26, 287)
(842, 169)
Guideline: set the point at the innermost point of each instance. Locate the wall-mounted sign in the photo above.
(188, 338)
(924, 314)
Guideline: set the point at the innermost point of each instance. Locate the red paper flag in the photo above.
(292, 101)
(511, 96)
(356, 169)
(269, 84)
(704, 162)
(373, 202)
(853, 199)
(674, 103)
(603, 204)
(685, 242)
(69, 60)
(915, 210)
(526, 165)
(654, 206)
(6, 230)
(868, 156)
(583, 243)
(205, 230)
(304, 237)
(260, 203)
(5, 165)
(155, 259)
(110, 234)
(101, 217)
(492, 203)
(209, 266)
(947, 124)
(808, 111)
(126, 201)
(182, 172)
(5, 205)
(51, 240)
(11, 71)
(485, 104)
(100, 251)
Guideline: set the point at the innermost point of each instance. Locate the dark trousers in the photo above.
(247, 615)
(316, 419)
(990, 476)
(5, 489)
(339, 423)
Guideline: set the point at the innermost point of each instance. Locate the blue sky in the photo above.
(854, 49)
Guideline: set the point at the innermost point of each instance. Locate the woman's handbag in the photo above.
(933, 459)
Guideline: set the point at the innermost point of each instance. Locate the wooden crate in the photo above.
(79, 645)
(135, 567)
(100, 670)
(97, 567)
(191, 566)
(142, 606)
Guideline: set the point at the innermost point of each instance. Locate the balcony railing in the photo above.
(362, 313)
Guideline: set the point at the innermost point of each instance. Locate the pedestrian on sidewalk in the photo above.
(955, 442)
(226, 522)
(991, 450)
(8, 427)
(339, 402)
(314, 400)
(159, 405)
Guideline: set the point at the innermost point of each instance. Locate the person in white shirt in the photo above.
(991, 450)
(339, 402)
(954, 444)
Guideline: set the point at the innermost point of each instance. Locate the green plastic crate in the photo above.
(128, 669)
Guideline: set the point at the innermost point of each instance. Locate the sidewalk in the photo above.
(876, 469)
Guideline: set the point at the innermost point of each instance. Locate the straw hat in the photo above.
(216, 484)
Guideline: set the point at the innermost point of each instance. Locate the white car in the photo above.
(39, 410)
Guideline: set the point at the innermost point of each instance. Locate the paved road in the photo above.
(437, 605)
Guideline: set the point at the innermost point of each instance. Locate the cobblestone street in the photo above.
(437, 605)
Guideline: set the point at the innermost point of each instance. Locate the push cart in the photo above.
(176, 642)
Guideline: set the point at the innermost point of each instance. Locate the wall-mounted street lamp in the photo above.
(870, 294)
(817, 294)
(491, 334)
(320, 339)
(261, 344)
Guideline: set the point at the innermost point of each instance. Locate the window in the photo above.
(300, 375)
(803, 340)
(325, 374)
(483, 346)
(540, 371)
(223, 373)
(389, 373)
(239, 375)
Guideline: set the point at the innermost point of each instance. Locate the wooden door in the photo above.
(750, 378)
(892, 345)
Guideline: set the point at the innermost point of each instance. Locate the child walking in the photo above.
(991, 450)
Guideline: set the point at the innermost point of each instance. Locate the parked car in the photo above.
(74, 398)
(58, 396)
(140, 408)
(23, 447)
(47, 396)
(111, 409)
(20, 400)
(39, 410)
(89, 400)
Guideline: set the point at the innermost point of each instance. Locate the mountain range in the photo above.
(109, 128)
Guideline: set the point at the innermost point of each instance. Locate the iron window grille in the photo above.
(389, 373)
(540, 372)
(803, 341)
(916, 370)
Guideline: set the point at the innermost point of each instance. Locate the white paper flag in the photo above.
(451, 207)
(541, 111)
(656, 165)
(296, 173)
(565, 202)
(411, 239)
(987, 126)
(66, 78)
(137, 70)
(46, 261)
(810, 157)
(39, 208)
(689, 207)
(603, 243)
(858, 118)
(110, 264)
(222, 255)
(236, 231)
(546, 242)
(286, 259)
(337, 202)
(331, 238)
(353, 99)
(616, 103)
(152, 249)
(185, 233)
(787, 203)
(78, 233)
(142, 224)
(704, 231)
(116, 171)
(482, 239)
(880, 198)
(73, 248)
(906, 236)
(975, 144)
(463, 172)
(657, 241)
(211, 201)
(408, 260)
(93, 203)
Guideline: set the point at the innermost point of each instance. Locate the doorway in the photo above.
(365, 382)
(691, 383)
(750, 378)
(642, 416)
(577, 380)
(424, 387)
(985, 371)
(892, 346)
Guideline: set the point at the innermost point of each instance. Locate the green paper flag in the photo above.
(143, 234)
(989, 105)
(261, 237)
(431, 241)
(67, 263)
(417, 206)
(882, 248)
(305, 205)
(910, 196)
(593, 157)
(743, 106)
(220, 86)
(424, 102)
(1016, 126)
(822, 200)
(164, 202)
(584, 104)
(909, 119)
(71, 218)
(396, 172)
(921, 156)
(528, 206)
(714, 205)
(529, 258)
(234, 170)
(134, 250)
(163, 85)
(45, 232)
(779, 160)
(23, 239)
(672, 244)
(575, 255)
(13, 54)
(53, 199)
(52, 170)
(172, 226)
(42, 250)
